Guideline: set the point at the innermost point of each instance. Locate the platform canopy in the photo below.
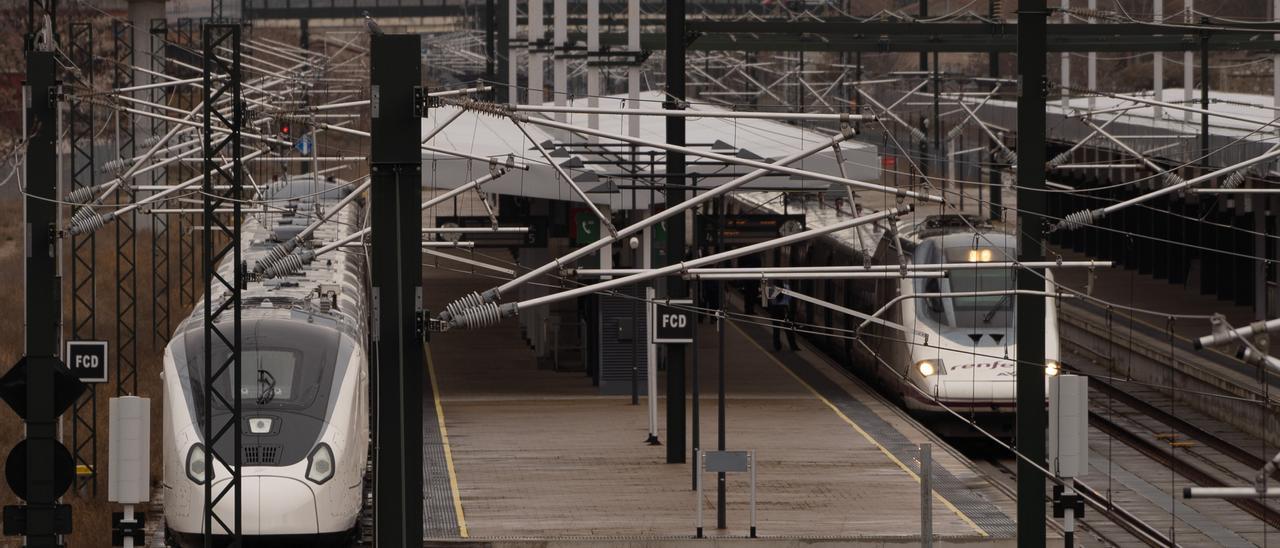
(602, 167)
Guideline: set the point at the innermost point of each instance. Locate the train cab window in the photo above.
(284, 365)
(974, 310)
(267, 375)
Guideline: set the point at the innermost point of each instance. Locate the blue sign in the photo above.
(304, 144)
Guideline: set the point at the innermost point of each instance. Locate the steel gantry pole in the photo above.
(395, 73)
(222, 336)
(126, 235)
(160, 240)
(187, 233)
(84, 263)
(1031, 415)
(676, 286)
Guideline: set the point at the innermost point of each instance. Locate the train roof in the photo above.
(328, 291)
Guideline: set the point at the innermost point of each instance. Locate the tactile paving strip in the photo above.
(438, 517)
(976, 507)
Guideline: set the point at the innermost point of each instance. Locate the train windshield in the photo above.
(982, 309)
(287, 366)
(987, 305)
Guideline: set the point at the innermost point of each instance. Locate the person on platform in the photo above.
(781, 313)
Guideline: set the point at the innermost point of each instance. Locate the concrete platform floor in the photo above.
(539, 458)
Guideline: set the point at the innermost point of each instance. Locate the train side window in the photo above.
(935, 303)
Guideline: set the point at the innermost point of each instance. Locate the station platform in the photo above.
(522, 456)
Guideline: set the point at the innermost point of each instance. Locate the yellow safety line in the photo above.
(859, 429)
(448, 451)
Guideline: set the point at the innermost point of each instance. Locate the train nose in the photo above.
(273, 505)
(985, 392)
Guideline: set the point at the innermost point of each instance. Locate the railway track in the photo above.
(1127, 523)
(1002, 473)
(1190, 444)
(1202, 450)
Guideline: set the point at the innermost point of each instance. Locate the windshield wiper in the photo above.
(992, 313)
(265, 387)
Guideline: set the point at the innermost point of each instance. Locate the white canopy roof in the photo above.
(600, 170)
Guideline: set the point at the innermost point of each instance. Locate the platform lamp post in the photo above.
(1031, 415)
(398, 103)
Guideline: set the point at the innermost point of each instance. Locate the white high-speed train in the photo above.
(304, 387)
(959, 343)
(933, 344)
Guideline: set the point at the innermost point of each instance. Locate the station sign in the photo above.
(536, 237)
(674, 321)
(748, 229)
(87, 360)
(585, 228)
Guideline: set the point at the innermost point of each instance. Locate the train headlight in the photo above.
(1051, 368)
(195, 463)
(929, 368)
(980, 255)
(320, 464)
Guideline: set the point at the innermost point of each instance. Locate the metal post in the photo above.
(700, 463)
(500, 48)
(857, 97)
(1032, 46)
(996, 209)
(1188, 60)
(1204, 94)
(695, 438)
(635, 353)
(593, 78)
(1157, 62)
(926, 495)
(42, 308)
(537, 34)
(633, 70)
(1066, 59)
(924, 55)
(651, 354)
(936, 123)
(751, 462)
(222, 342)
(721, 327)
(512, 36)
(395, 261)
(676, 287)
(490, 45)
(560, 48)
(1092, 60)
(1068, 517)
